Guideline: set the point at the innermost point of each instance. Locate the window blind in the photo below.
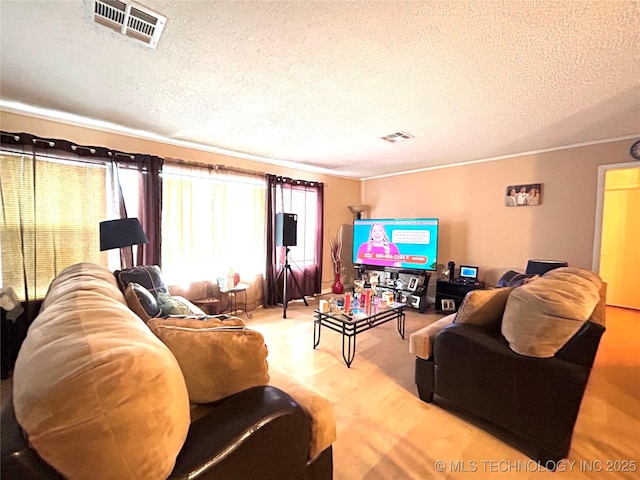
(51, 209)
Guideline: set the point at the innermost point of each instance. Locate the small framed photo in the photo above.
(523, 195)
(448, 305)
(413, 284)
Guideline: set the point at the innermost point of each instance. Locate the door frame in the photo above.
(597, 236)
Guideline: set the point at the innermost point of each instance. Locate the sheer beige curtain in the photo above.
(49, 219)
(211, 222)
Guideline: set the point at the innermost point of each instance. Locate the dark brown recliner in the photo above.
(534, 402)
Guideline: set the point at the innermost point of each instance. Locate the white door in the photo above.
(620, 241)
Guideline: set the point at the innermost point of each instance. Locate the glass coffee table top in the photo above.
(360, 321)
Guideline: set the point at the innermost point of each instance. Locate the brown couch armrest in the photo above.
(582, 347)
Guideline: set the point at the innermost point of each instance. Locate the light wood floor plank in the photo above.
(386, 432)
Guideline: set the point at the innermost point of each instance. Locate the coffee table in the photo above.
(350, 325)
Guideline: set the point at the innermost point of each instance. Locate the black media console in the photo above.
(408, 286)
(449, 295)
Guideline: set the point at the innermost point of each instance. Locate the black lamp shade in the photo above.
(120, 233)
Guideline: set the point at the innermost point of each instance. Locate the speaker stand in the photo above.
(286, 269)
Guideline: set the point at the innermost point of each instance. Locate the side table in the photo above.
(210, 305)
(240, 287)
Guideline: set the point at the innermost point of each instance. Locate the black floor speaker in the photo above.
(286, 229)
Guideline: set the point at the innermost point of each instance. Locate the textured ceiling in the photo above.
(318, 83)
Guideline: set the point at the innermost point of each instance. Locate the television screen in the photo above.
(405, 243)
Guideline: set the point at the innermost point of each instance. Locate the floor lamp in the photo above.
(121, 233)
(357, 210)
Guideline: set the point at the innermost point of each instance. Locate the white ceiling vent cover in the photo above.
(130, 19)
(397, 137)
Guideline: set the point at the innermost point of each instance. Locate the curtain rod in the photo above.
(242, 171)
(217, 167)
(23, 138)
(85, 150)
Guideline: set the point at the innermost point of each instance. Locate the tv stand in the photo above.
(449, 295)
(408, 286)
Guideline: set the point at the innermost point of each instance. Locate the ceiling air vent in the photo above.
(130, 19)
(397, 137)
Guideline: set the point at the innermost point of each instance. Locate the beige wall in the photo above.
(339, 192)
(476, 227)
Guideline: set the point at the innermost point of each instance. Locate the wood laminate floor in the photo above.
(386, 432)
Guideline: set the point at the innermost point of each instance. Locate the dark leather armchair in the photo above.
(536, 400)
(533, 402)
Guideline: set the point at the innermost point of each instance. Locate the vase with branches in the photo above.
(336, 258)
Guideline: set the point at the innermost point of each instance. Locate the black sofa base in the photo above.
(257, 433)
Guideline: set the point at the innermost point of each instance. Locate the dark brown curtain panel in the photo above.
(148, 170)
(305, 199)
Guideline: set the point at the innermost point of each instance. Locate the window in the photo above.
(51, 208)
(212, 222)
(301, 201)
(306, 200)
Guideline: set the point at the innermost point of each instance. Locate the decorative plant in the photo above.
(336, 252)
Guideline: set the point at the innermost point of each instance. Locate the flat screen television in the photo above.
(405, 243)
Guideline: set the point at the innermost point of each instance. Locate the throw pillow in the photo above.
(483, 308)
(140, 300)
(170, 305)
(149, 276)
(186, 306)
(541, 316)
(217, 357)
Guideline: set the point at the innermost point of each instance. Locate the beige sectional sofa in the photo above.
(98, 394)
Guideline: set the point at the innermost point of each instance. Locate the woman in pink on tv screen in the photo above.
(404, 243)
(378, 249)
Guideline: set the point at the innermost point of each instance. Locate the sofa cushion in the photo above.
(421, 341)
(90, 377)
(218, 357)
(85, 276)
(141, 301)
(483, 308)
(542, 315)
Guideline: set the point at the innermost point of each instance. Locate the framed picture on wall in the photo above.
(523, 195)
